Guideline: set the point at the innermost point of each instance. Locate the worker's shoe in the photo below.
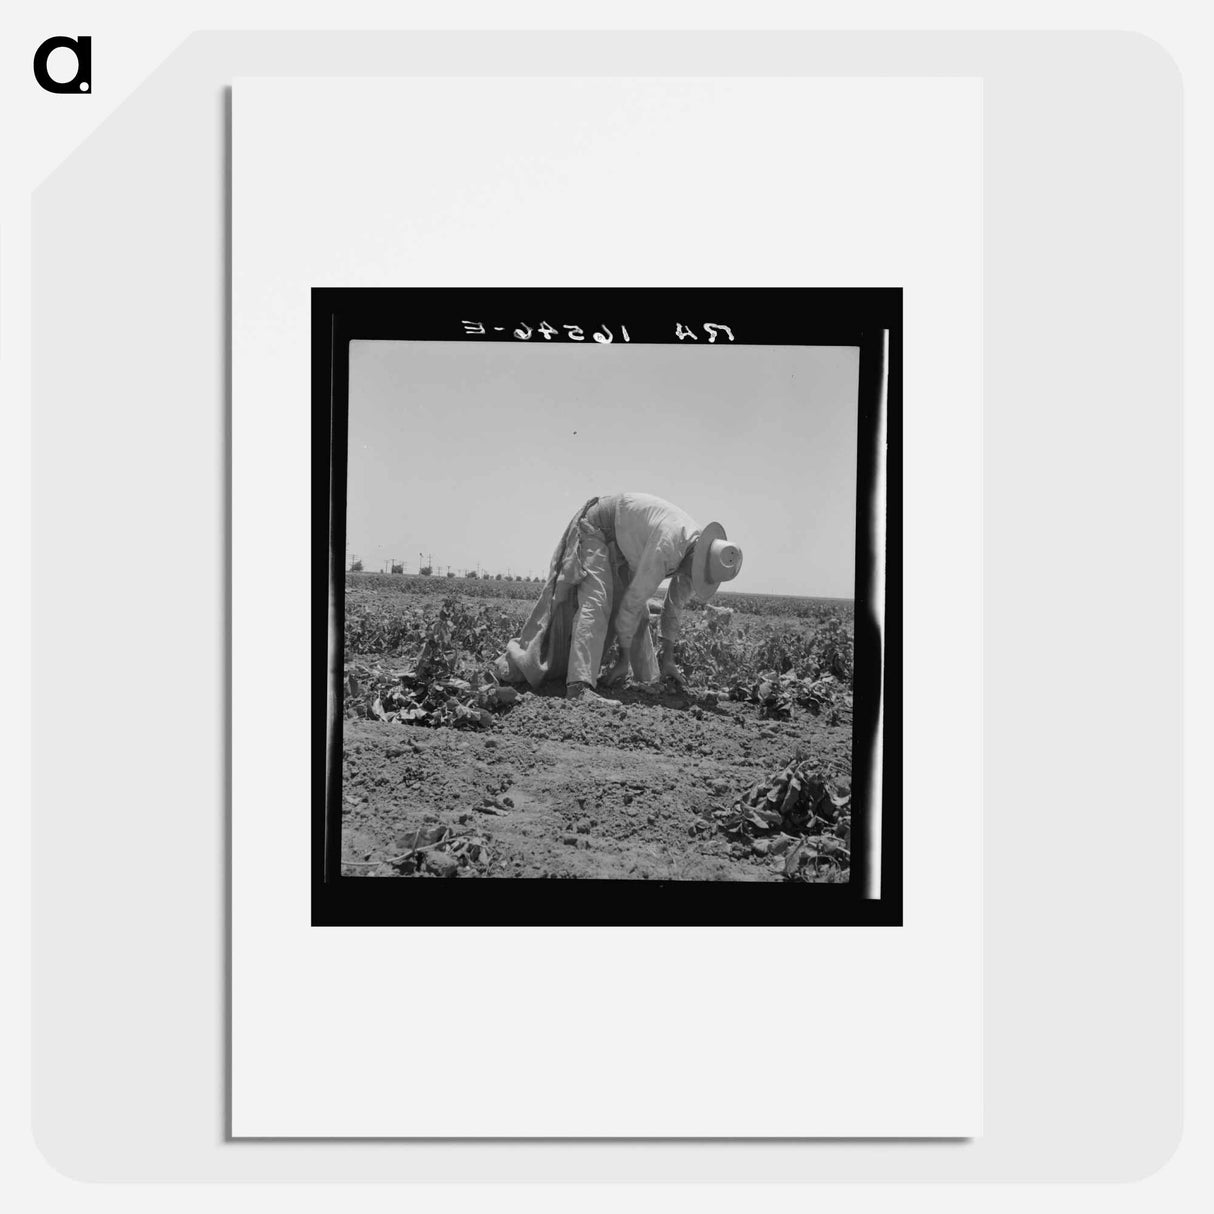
(579, 691)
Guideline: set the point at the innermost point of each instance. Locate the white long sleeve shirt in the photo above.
(653, 536)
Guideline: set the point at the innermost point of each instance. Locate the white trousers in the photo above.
(598, 593)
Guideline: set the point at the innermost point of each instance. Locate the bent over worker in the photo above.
(611, 558)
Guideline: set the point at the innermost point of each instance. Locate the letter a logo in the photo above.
(82, 48)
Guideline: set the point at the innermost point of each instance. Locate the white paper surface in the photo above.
(611, 1032)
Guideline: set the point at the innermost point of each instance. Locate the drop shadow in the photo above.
(225, 184)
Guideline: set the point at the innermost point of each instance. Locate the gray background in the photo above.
(1082, 616)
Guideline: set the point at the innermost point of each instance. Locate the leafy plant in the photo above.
(727, 651)
(800, 813)
(443, 654)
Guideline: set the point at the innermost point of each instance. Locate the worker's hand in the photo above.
(672, 672)
(619, 672)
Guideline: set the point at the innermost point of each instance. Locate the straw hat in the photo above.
(713, 561)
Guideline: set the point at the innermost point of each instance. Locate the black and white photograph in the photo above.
(602, 598)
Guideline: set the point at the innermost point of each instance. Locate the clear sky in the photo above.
(480, 452)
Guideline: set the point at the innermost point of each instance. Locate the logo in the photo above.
(82, 48)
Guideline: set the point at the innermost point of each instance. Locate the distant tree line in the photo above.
(356, 566)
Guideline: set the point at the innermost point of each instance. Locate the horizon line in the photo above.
(459, 577)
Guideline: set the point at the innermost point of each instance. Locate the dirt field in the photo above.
(647, 784)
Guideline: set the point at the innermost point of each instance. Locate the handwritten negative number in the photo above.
(603, 334)
(682, 332)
